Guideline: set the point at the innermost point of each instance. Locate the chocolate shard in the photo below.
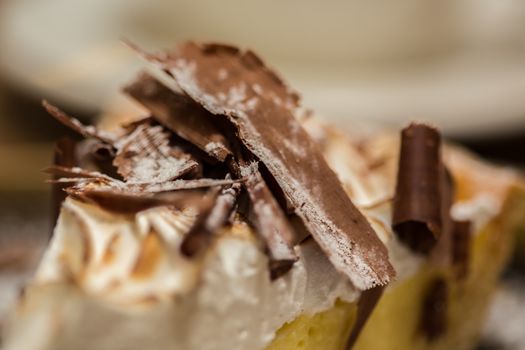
(213, 215)
(270, 222)
(180, 114)
(417, 213)
(461, 240)
(73, 174)
(433, 320)
(130, 203)
(145, 155)
(366, 304)
(83, 180)
(75, 125)
(238, 85)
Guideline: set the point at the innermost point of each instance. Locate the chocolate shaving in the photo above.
(417, 213)
(74, 174)
(211, 218)
(461, 240)
(229, 82)
(177, 185)
(180, 114)
(270, 222)
(75, 125)
(434, 312)
(146, 156)
(128, 203)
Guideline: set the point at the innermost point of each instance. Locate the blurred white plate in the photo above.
(459, 64)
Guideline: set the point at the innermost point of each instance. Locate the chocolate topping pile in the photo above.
(222, 137)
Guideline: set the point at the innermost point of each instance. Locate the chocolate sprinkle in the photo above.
(180, 114)
(236, 84)
(435, 308)
(417, 213)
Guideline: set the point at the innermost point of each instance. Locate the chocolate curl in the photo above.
(64, 156)
(180, 114)
(461, 240)
(417, 213)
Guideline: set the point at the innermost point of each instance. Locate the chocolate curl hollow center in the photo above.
(417, 218)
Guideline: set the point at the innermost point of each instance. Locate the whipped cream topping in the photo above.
(234, 302)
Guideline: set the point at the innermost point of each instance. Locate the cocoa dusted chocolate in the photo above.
(270, 221)
(229, 82)
(144, 155)
(180, 114)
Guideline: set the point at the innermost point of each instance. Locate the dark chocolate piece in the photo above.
(75, 125)
(146, 156)
(366, 304)
(417, 213)
(461, 240)
(434, 311)
(270, 222)
(229, 82)
(212, 216)
(180, 114)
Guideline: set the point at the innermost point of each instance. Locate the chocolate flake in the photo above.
(130, 203)
(270, 222)
(180, 114)
(213, 214)
(75, 125)
(435, 308)
(146, 156)
(236, 84)
(417, 213)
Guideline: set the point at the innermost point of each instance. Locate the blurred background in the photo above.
(457, 63)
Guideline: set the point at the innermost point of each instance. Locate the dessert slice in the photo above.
(225, 219)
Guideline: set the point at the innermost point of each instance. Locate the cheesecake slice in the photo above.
(226, 217)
